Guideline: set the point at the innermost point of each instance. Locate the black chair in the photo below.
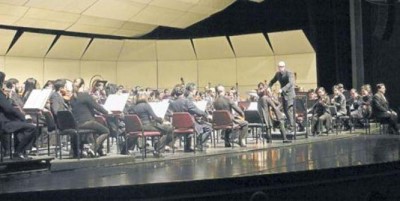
(51, 126)
(67, 125)
(255, 121)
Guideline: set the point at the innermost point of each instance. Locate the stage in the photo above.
(207, 175)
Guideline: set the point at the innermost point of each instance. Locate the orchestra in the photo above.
(276, 107)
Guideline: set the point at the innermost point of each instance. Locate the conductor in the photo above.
(286, 80)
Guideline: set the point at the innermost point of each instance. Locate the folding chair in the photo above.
(255, 121)
(183, 124)
(67, 125)
(222, 121)
(134, 127)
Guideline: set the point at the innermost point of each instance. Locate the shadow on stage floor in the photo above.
(334, 167)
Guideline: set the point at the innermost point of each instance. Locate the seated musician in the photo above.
(15, 90)
(57, 102)
(339, 101)
(150, 122)
(366, 95)
(83, 108)
(320, 113)
(224, 103)
(268, 107)
(13, 121)
(98, 91)
(182, 104)
(381, 110)
(355, 104)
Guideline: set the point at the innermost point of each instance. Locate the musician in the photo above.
(345, 92)
(339, 101)
(286, 80)
(83, 108)
(191, 91)
(182, 104)
(321, 114)
(268, 107)
(381, 110)
(30, 85)
(150, 122)
(98, 91)
(366, 95)
(57, 102)
(13, 121)
(224, 103)
(15, 90)
(355, 104)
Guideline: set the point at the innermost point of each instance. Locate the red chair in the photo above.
(183, 124)
(133, 127)
(222, 121)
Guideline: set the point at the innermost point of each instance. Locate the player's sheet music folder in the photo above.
(37, 100)
(253, 106)
(201, 105)
(116, 102)
(159, 108)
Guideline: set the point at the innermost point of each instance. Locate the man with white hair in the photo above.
(286, 80)
(224, 103)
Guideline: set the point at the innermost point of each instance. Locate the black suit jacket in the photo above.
(224, 103)
(380, 106)
(184, 105)
(286, 80)
(8, 112)
(84, 107)
(57, 103)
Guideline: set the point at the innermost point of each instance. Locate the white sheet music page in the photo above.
(159, 108)
(116, 102)
(201, 105)
(253, 106)
(37, 99)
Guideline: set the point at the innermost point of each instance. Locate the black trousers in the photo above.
(24, 135)
(98, 137)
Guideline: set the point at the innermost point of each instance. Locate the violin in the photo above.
(65, 94)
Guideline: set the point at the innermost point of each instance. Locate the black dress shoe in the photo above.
(101, 153)
(188, 150)
(287, 141)
(156, 154)
(19, 157)
(227, 144)
(27, 157)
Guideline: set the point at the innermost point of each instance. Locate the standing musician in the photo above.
(268, 107)
(224, 103)
(321, 113)
(286, 80)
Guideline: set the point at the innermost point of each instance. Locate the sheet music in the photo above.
(37, 99)
(201, 105)
(253, 106)
(159, 108)
(116, 102)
